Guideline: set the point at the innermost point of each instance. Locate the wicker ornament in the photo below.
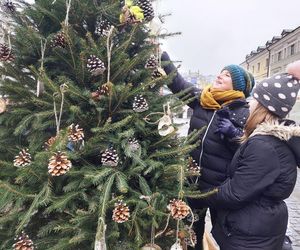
(121, 212)
(110, 158)
(6, 54)
(23, 159)
(59, 164)
(165, 126)
(59, 40)
(95, 65)
(23, 243)
(179, 209)
(151, 63)
(140, 104)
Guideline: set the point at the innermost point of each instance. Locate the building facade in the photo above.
(275, 55)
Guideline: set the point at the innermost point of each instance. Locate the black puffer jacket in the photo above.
(215, 153)
(251, 213)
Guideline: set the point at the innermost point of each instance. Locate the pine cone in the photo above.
(152, 62)
(110, 158)
(49, 143)
(157, 73)
(75, 134)
(191, 238)
(59, 40)
(8, 6)
(140, 104)
(95, 65)
(23, 159)
(104, 90)
(59, 164)
(121, 212)
(102, 28)
(179, 209)
(6, 54)
(133, 144)
(23, 243)
(193, 167)
(147, 8)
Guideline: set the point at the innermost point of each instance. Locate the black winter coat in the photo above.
(251, 213)
(215, 153)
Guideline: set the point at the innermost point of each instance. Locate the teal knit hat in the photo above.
(242, 80)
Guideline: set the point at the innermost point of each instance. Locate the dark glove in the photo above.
(169, 67)
(226, 127)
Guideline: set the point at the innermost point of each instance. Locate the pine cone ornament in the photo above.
(23, 243)
(193, 167)
(49, 143)
(8, 6)
(23, 159)
(147, 8)
(140, 104)
(59, 40)
(110, 158)
(6, 54)
(59, 164)
(152, 62)
(179, 209)
(95, 65)
(75, 133)
(102, 28)
(157, 73)
(133, 144)
(121, 212)
(104, 90)
(191, 237)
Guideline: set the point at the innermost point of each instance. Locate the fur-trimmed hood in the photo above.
(286, 131)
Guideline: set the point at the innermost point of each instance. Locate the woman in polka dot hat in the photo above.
(250, 205)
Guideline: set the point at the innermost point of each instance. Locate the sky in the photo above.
(216, 33)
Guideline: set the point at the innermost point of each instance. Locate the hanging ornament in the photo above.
(48, 144)
(131, 13)
(193, 167)
(40, 86)
(165, 126)
(110, 158)
(8, 7)
(75, 133)
(152, 62)
(59, 40)
(150, 246)
(179, 209)
(191, 238)
(158, 73)
(2, 105)
(23, 159)
(95, 65)
(147, 8)
(140, 104)
(59, 164)
(6, 54)
(121, 212)
(23, 243)
(102, 28)
(133, 144)
(176, 246)
(104, 90)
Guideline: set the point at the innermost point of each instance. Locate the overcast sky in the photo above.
(217, 32)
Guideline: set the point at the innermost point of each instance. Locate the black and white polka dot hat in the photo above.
(278, 93)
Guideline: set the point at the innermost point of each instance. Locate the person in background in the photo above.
(251, 212)
(221, 108)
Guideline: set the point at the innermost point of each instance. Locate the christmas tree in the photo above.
(90, 158)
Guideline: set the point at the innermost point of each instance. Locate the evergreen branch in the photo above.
(13, 190)
(145, 189)
(199, 194)
(173, 152)
(121, 182)
(108, 126)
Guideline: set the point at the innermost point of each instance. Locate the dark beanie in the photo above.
(278, 93)
(242, 80)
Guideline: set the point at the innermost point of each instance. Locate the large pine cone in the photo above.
(59, 164)
(23, 159)
(179, 209)
(23, 243)
(75, 133)
(121, 212)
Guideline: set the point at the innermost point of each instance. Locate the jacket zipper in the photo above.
(204, 137)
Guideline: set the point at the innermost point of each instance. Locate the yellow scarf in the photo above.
(212, 98)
